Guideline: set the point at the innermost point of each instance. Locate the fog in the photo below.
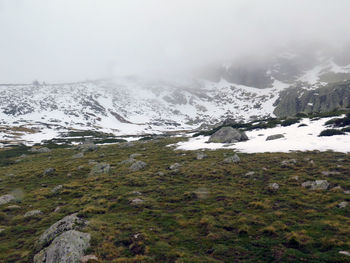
(72, 40)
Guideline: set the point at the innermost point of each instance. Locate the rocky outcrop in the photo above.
(228, 135)
(274, 137)
(68, 247)
(324, 99)
(62, 242)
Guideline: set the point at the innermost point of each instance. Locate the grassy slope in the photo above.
(238, 220)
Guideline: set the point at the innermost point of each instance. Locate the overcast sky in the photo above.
(70, 40)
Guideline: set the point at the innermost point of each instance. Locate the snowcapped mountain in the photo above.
(130, 106)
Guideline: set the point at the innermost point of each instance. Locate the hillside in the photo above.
(201, 209)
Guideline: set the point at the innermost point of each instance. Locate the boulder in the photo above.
(228, 135)
(66, 248)
(232, 159)
(65, 224)
(138, 165)
(100, 168)
(274, 137)
(4, 199)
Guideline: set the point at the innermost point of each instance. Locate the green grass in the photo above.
(207, 211)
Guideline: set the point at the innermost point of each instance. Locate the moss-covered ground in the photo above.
(206, 211)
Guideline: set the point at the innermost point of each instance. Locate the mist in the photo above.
(65, 40)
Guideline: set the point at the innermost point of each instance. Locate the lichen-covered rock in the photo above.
(138, 165)
(69, 247)
(232, 159)
(4, 199)
(100, 168)
(274, 137)
(65, 224)
(228, 135)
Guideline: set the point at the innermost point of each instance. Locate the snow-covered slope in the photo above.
(130, 106)
(297, 137)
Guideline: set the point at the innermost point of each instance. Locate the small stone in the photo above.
(78, 155)
(347, 192)
(32, 213)
(343, 204)
(296, 178)
(138, 165)
(273, 187)
(200, 156)
(320, 185)
(274, 137)
(327, 173)
(232, 159)
(306, 184)
(128, 161)
(175, 166)
(137, 201)
(13, 207)
(2, 230)
(250, 173)
(57, 209)
(56, 188)
(288, 162)
(345, 253)
(49, 171)
(136, 193)
(40, 150)
(4, 199)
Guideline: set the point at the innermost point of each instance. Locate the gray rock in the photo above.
(13, 207)
(306, 184)
(78, 155)
(49, 171)
(327, 173)
(100, 168)
(40, 150)
(251, 173)
(2, 230)
(128, 161)
(87, 147)
(320, 185)
(56, 188)
(274, 137)
(232, 159)
(65, 224)
(347, 192)
(273, 187)
(200, 156)
(33, 213)
(136, 201)
(4, 199)
(174, 166)
(138, 165)
(228, 135)
(288, 162)
(345, 253)
(343, 204)
(69, 247)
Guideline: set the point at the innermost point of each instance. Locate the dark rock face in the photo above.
(228, 135)
(274, 137)
(324, 99)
